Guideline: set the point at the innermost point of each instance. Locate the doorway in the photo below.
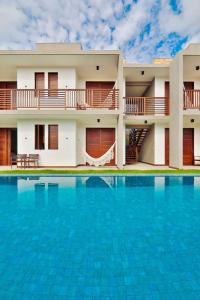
(8, 145)
(99, 141)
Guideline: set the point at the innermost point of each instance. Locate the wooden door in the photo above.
(53, 137)
(39, 81)
(167, 89)
(7, 95)
(189, 86)
(167, 95)
(99, 141)
(8, 85)
(188, 146)
(5, 146)
(100, 84)
(98, 93)
(53, 83)
(166, 146)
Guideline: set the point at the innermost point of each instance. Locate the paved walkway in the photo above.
(137, 166)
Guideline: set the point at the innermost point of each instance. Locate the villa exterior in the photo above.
(60, 102)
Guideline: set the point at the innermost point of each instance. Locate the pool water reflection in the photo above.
(90, 237)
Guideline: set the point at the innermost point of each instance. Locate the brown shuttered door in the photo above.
(167, 95)
(166, 146)
(53, 84)
(189, 85)
(5, 146)
(99, 84)
(167, 91)
(98, 97)
(99, 141)
(188, 146)
(7, 96)
(53, 137)
(39, 81)
(8, 85)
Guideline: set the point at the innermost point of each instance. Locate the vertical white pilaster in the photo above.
(120, 122)
(176, 113)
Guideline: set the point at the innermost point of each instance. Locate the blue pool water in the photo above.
(99, 238)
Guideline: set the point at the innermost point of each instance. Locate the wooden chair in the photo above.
(197, 160)
(21, 159)
(13, 159)
(33, 159)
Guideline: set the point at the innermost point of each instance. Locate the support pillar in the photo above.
(176, 113)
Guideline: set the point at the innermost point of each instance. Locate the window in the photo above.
(53, 137)
(39, 137)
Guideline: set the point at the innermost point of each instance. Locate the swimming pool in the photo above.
(134, 237)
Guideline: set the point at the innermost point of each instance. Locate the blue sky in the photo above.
(142, 29)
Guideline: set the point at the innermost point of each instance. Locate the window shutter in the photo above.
(53, 137)
(39, 81)
(39, 137)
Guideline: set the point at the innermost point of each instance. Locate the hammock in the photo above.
(100, 161)
(107, 103)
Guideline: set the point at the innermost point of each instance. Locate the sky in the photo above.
(141, 29)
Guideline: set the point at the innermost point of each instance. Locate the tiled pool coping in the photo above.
(100, 175)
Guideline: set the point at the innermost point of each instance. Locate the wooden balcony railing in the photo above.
(191, 99)
(147, 105)
(79, 99)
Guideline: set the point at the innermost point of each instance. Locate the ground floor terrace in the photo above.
(60, 142)
(150, 141)
(98, 141)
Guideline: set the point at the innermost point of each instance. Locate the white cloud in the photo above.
(100, 24)
(187, 22)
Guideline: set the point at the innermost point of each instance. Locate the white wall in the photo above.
(124, 144)
(150, 92)
(153, 148)
(197, 85)
(26, 77)
(66, 153)
(159, 146)
(176, 113)
(197, 141)
(157, 88)
(147, 150)
(160, 87)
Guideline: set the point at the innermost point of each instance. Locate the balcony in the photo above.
(142, 106)
(191, 99)
(63, 99)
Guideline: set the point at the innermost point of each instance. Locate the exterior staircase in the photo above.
(136, 139)
(131, 156)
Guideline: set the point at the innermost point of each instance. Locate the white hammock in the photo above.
(100, 161)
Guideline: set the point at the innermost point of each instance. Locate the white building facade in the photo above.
(63, 103)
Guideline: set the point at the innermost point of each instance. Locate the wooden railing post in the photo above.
(65, 99)
(38, 99)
